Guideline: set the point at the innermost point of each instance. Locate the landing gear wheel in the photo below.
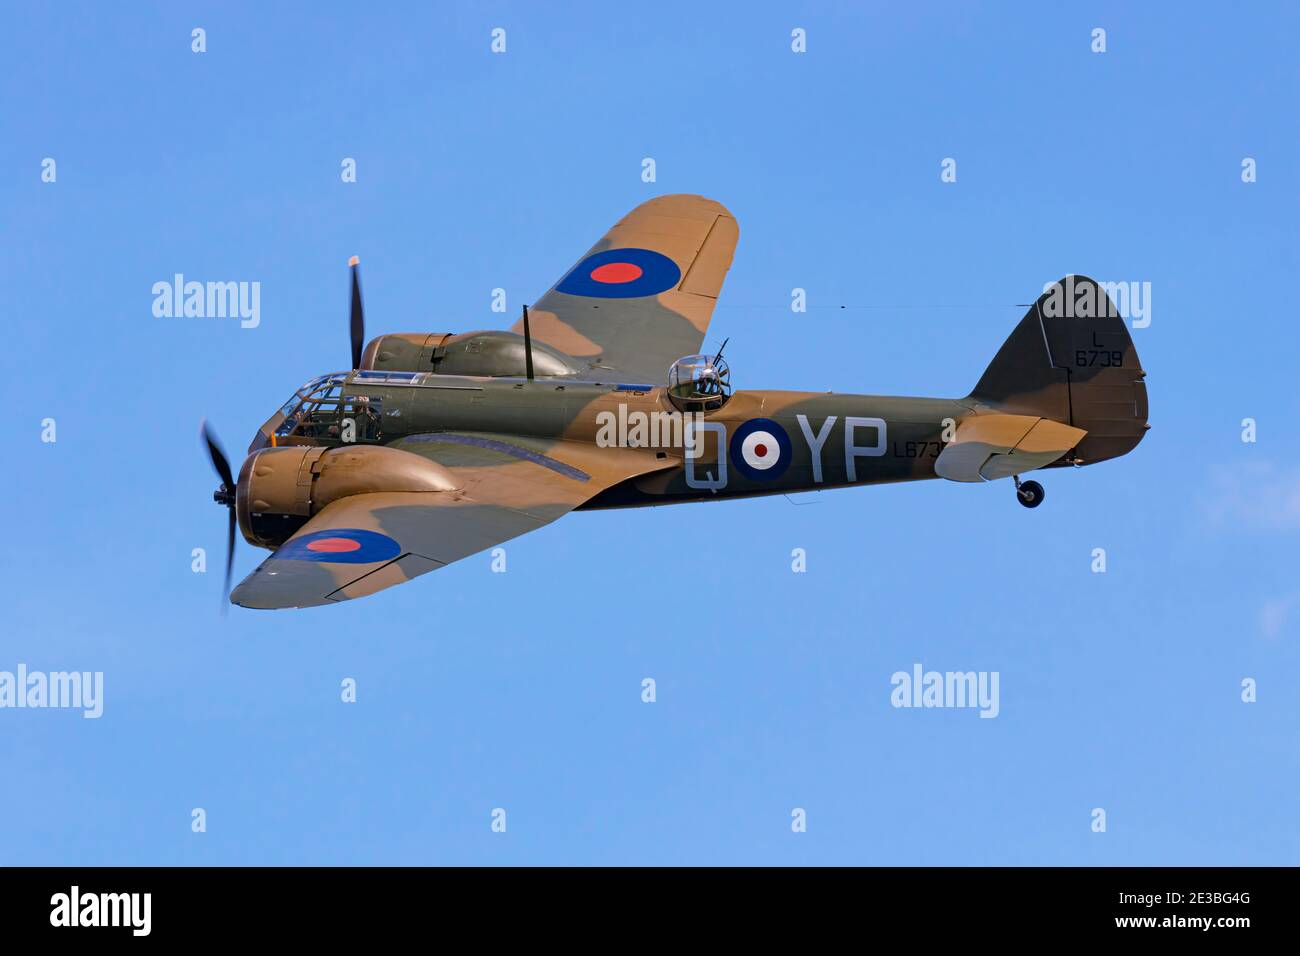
(1030, 493)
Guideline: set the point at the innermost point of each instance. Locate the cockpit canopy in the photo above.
(698, 383)
(319, 410)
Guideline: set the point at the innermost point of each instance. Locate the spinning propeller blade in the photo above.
(225, 495)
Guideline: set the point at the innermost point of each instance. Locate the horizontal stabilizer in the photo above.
(987, 447)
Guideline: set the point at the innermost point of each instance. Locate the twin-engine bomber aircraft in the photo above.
(437, 446)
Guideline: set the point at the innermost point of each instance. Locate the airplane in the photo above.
(436, 446)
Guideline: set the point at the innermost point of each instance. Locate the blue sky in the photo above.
(522, 690)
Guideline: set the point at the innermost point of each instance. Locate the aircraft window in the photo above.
(291, 419)
(317, 420)
(365, 413)
(373, 376)
(699, 382)
(307, 411)
(314, 415)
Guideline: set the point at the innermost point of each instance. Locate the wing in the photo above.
(987, 447)
(364, 543)
(642, 297)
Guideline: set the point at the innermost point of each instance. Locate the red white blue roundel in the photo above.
(341, 546)
(760, 449)
(621, 274)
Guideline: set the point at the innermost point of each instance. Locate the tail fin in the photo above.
(1072, 360)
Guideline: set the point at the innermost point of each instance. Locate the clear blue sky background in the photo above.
(522, 690)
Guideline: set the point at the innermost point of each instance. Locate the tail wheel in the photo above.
(1030, 493)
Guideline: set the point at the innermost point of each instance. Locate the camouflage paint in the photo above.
(505, 455)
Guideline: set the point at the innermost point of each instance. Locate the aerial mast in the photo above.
(528, 347)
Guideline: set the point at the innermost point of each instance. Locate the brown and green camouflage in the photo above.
(440, 446)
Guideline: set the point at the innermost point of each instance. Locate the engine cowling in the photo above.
(492, 353)
(280, 488)
(402, 351)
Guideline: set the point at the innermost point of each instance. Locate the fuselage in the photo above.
(756, 443)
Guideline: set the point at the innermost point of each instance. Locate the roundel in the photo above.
(341, 546)
(621, 274)
(760, 448)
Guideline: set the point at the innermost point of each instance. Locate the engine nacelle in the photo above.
(403, 352)
(492, 353)
(280, 488)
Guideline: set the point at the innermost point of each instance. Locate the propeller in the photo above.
(225, 495)
(358, 318)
